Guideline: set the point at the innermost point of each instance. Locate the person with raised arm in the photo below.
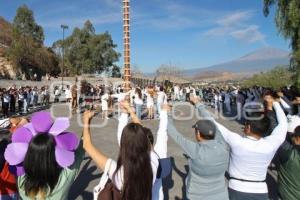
(208, 157)
(252, 153)
(135, 173)
(159, 148)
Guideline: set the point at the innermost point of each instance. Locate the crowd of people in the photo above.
(41, 159)
(20, 100)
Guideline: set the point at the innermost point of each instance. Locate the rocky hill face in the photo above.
(5, 32)
(6, 67)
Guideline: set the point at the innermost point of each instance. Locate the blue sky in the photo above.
(185, 33)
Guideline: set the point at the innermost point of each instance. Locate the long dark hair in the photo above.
(134, 157)
(41, 169)
(138, 92)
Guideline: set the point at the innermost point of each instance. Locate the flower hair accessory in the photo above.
(42, 123)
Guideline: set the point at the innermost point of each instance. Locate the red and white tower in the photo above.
(126, 38)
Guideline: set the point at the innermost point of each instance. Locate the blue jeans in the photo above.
(138, 111)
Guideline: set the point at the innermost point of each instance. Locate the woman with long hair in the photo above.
(135, 171)
(138, 101)
(42, 155)
(150, 102)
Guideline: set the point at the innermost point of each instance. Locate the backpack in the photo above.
(106, 190)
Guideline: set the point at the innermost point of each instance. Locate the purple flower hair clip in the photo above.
(42, 123)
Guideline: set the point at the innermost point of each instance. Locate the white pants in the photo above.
(161, 149)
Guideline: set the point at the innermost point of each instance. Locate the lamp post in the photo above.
(63, 55)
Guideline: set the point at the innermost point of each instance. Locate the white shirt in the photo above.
(120, 96)
(161, 98)
(138, 100)
(250, 158)
(68, 93)
(176, 89)
(150, 101)
(56, 92)
(160, 148)
(104, 101)
(6, 98)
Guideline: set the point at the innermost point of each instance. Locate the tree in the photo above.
(27, 51)
(103, 54)
(25, 24)
(88, 52)
(115, 72)
(276, 78)
(288, 24)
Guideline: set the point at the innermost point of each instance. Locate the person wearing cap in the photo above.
(289, 162)
(251, 154)
(208, 157)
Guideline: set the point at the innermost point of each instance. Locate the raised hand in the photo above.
(269, 101)
(194, 99)
(165, 107)
(87, 116)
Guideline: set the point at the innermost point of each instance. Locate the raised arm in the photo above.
(123, 119)
(98, 157)
(278, 135)
(285, 105)
(189, 147)
(204, 114)
(160, 146)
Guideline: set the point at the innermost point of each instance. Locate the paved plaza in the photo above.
(105, 138)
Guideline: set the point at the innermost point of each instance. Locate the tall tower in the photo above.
(126, 39)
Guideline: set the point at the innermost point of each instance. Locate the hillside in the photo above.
(258, 61)
(5, 32)
(6, 67)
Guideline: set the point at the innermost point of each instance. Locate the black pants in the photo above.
(5, 107)
(236, 195)
(187, 97)
(12, 106)
(20, 105)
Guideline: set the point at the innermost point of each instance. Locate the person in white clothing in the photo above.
(140, 160)
(120, 97)
(176, 93)
(251, 155)
(160, 147)
(161, 99)
(150, 102)
(68, 94)
(104, 105)
(138, 102)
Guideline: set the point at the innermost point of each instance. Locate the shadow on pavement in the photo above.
(168, 182)
(80, 185)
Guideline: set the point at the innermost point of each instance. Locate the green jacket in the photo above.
(64, 183)
(289, 171)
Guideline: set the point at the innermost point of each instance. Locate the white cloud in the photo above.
(237, 25)
(250, 34)
(235, 18)
(172, 15)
